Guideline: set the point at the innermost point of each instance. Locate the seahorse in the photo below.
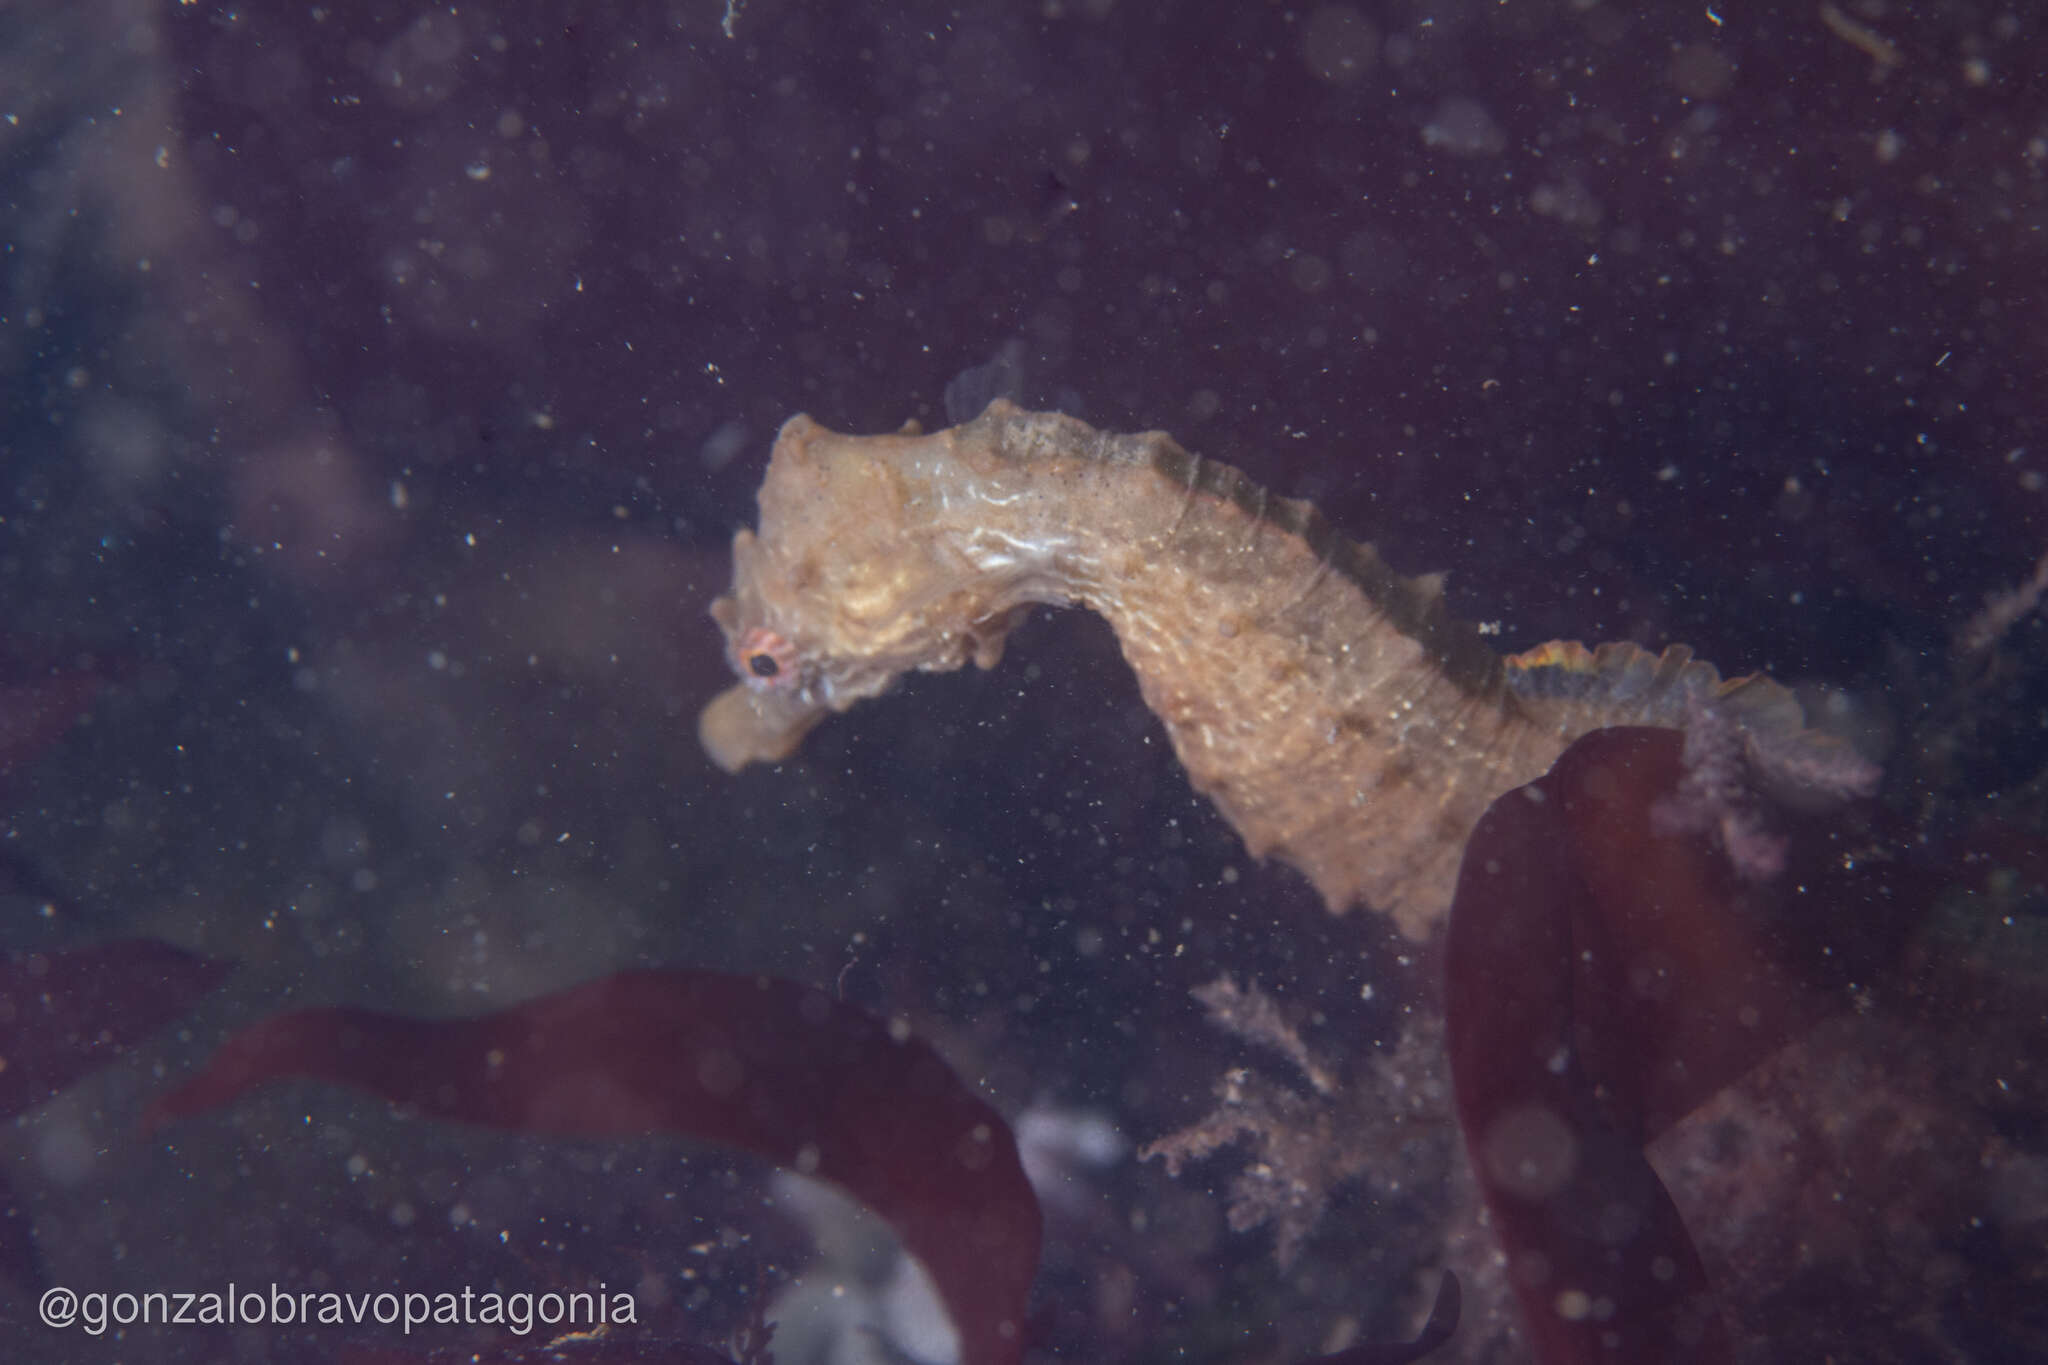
(1334, 710)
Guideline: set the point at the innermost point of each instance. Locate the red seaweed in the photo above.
(771, 1067)
(40, 700)
(581, 1351)
(1606, 973)
(32, 715)
(67, 1013)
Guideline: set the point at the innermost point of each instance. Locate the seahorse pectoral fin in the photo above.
(989, 635)
(741, 725)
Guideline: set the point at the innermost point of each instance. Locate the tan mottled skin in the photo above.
(1336, 715)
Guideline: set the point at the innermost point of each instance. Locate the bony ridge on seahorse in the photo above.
(1332, 708)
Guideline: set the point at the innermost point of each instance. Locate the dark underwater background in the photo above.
(382, 386)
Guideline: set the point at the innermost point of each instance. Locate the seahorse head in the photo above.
(854, 578)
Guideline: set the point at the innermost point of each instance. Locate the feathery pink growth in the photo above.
(1725, 763)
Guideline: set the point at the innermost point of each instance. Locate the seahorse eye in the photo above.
(765, 660)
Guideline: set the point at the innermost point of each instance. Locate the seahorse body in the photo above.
(1334, 711)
